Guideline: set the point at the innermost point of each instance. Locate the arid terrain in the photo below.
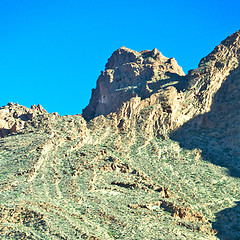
(155, 155)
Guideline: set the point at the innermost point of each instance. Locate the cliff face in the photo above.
(129, 74)
(215, 123)
(162, 98)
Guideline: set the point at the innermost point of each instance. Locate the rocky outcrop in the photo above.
(134, 88)
(130, 74)
(155, 116)
(149, 92)
(13, 117)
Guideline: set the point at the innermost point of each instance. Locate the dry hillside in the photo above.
(155, 155)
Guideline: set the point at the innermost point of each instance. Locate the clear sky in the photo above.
(52, 51)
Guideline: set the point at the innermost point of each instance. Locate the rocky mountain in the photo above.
(155, 155)
(129, 74)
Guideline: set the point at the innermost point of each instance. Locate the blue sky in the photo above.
(52, 51)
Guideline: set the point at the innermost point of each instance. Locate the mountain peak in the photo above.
(129, 73)
(232, 40)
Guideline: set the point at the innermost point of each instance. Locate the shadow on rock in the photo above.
(175, 80)
(217, 136)
(228, 223)
(217, 145)
(217, 132)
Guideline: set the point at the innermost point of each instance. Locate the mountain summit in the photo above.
(129, 74)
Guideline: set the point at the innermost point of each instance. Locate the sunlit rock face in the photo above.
(129, 74)
(162, 96)
(13, 117)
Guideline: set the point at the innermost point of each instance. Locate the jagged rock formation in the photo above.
(166, 105)
(13, 117)
(149, 90)
(129, 74)
(214, 94)
(212, 71)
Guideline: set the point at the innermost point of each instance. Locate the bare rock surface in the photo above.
(159, 106)
(14, 117)
(213, 70)
(130, 74)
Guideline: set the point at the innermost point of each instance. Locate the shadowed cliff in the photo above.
(216, 134)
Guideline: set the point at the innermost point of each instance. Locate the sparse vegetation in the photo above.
(75, 196)
(146, 171)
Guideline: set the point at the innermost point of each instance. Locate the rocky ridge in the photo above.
(167, 104)
(150, 89)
